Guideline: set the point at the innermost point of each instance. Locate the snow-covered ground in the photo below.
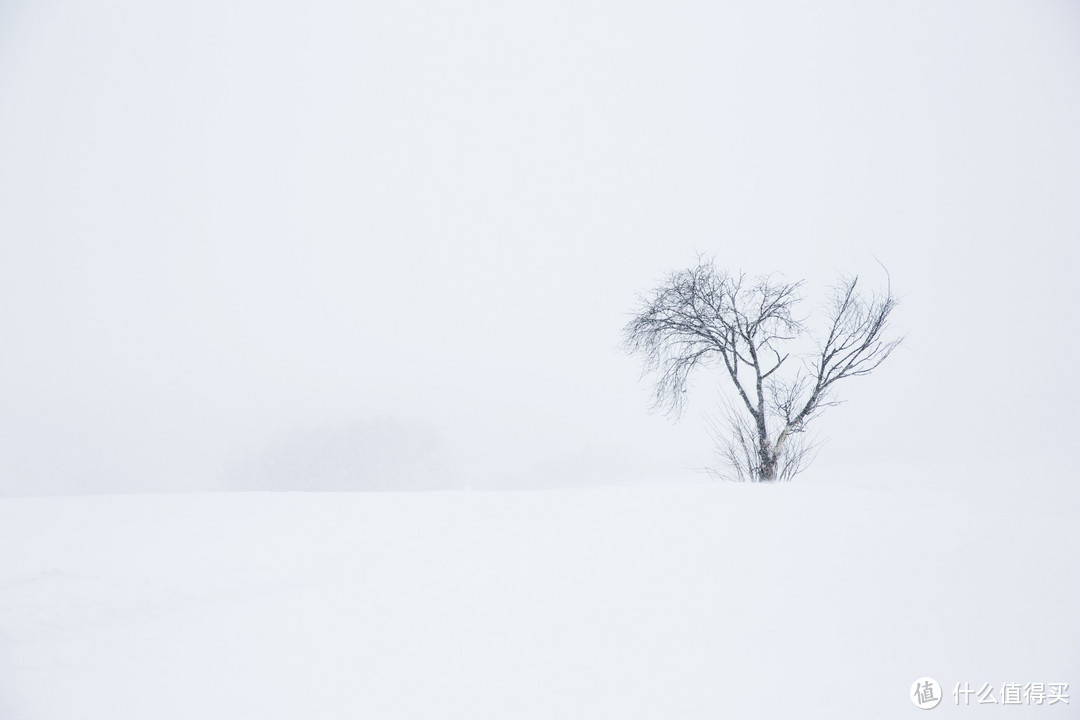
(688, 601)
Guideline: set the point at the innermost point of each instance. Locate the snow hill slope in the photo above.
(695, 601)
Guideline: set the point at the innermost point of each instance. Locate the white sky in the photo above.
(227, 225)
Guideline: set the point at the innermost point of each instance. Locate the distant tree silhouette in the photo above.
(701, 315)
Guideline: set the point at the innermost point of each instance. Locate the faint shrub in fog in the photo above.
(782, 375)
(373, 455)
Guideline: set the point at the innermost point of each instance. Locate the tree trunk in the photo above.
(767, 471)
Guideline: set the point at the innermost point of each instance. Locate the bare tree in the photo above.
(702, 316)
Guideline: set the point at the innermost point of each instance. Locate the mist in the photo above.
(242, 245)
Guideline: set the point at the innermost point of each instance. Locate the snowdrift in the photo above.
(693, 601)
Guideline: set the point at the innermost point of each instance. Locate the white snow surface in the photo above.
(689, 601)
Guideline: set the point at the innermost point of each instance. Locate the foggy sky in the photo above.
(225, 228)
